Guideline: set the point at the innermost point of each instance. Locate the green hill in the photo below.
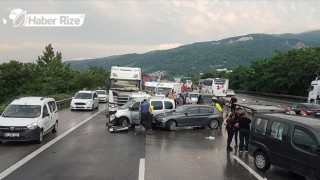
(208, 56)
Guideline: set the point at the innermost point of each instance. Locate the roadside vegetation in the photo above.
(288, 73)
(48, 76)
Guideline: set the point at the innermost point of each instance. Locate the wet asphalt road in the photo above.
(91, 152)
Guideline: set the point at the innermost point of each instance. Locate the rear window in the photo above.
(260, 126)
(157, 105)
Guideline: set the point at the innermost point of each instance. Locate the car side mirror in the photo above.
(315, 149)
(45, 114)
(130, 108)
(186, 113)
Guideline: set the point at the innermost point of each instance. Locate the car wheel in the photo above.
(213, 124)
(171, 125)
(40, 137)
(55, 128)
(123, 121)
(261, 161)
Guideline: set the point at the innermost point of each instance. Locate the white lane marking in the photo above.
(142, 166)
(248, 168)
(15, 166)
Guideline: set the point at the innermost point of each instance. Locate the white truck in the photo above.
(125, 83)
(161, 88)
(314, 91)
(217, 86)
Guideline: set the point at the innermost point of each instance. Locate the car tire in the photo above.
(123, 121)
(55, 128)
(171, 126)
(261, 161)
(213, 124)
(40, 137)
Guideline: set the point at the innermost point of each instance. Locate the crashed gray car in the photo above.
(190, 116)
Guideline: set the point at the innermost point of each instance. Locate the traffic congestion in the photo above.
(184, 140)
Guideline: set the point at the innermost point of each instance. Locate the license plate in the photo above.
(11, 135)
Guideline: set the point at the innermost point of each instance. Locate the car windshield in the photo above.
(207, 99)
(193, 95)
(128, 104)
(83, 96)
(181, 109)
(101, 92)
(22, 111)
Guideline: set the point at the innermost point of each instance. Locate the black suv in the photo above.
(288, 141)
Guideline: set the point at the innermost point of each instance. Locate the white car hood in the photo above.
(81, 100)
(8, 121)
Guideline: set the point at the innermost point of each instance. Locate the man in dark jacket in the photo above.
(244, 131)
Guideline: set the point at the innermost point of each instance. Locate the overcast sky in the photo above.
(137, 26)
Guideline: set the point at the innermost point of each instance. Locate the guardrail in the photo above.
(282, 96)
(63, 103)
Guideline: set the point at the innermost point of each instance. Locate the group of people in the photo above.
(179, 99)
(238, 124)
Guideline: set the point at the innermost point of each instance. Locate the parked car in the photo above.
(129, 113)
(102, 95)
(85, 100)
(28, 119)
(194, 97)
(230, 92)
(290, 142)
(310, 108)
(190, 116)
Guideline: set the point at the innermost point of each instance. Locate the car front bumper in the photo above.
(19, 134)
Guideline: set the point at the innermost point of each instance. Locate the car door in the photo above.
(278, 143)
(135, 113)
(203, 117)
(53, 111)
(302, 159)
(95, 100)
(46, 117)
(188, 119)
(168, 105)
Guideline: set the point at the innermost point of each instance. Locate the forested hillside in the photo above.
(208, 56)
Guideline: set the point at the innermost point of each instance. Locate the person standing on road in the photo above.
(233, 100)
(230, 129)
(175, 98)
(236, 128)
(146, 115)
(215, 103)
(289, 110)
(244, 131)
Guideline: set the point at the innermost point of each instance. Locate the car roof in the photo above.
(31, 100)
(260, 108)
(309, 121)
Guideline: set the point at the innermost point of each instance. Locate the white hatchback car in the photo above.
(28, 119)
(86, 100)
(103, 95)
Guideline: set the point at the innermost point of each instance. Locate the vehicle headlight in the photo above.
(32, 126)
(89, 102)
(163, 119)
(135, 76)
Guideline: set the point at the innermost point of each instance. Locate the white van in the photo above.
(129, 112)
(28, 119)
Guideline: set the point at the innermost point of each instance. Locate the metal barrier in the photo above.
(63, 103)
(297, 98)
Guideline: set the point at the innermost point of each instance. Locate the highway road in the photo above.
(83, 148)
